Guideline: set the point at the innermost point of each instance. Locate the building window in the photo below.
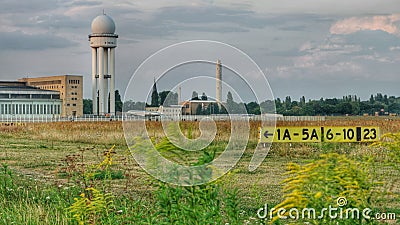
(73, 104)
(68, 104)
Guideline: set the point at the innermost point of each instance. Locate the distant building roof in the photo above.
(55, 77)
(12, 84)
(13, 87)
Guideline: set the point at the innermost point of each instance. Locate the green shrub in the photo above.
(320, 184)
(90, 209)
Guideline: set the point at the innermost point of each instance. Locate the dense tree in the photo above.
(118, 102)
(253, 108)
(204, 97)
(195, 95)
(288, 103)
(371, 99)
(155, 101)
(267, 106)
(131, 105)
(223, 110)
(379, 97)
(199, 110)
(345, 108)
(394, 107)
(87, 106)
(385, 99)
(163, 95)
(302, 101)
(214, 108)
(230, 104)
(172, 99)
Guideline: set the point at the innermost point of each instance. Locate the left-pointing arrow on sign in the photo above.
(266, 134)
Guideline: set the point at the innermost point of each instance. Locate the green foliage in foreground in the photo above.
(332, 181)
(90, 199)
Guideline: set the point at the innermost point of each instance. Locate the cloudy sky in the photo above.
(310, 47)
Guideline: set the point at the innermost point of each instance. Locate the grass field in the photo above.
(47, 166)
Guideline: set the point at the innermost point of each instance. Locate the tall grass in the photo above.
(62, 164)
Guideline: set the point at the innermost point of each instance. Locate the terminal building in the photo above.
(50, 97)
(70, 88)
(19, 99)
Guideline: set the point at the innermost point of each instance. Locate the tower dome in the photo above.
(103, 24)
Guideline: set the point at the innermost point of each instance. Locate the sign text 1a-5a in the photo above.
(291, 134)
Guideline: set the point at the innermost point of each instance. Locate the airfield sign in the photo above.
(319, 134)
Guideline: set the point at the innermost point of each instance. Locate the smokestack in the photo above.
(219, 82)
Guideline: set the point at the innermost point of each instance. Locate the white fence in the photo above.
(93, 118)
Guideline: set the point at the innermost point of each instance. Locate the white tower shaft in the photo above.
(101, 81)
(94, 80)
(105, 83)
(112, 83)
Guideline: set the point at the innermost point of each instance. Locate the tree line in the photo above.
(347, 105)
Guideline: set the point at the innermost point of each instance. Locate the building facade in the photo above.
(70, 88)
(173, 111)
(18, 99)
(191, 107)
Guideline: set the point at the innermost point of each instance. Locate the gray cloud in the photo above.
(32, 6)
(378, 40)
(84, 3)
(210, 14)
(169, 20)
(52, 22)
(21, 41)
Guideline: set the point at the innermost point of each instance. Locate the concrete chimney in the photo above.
(219, 82)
